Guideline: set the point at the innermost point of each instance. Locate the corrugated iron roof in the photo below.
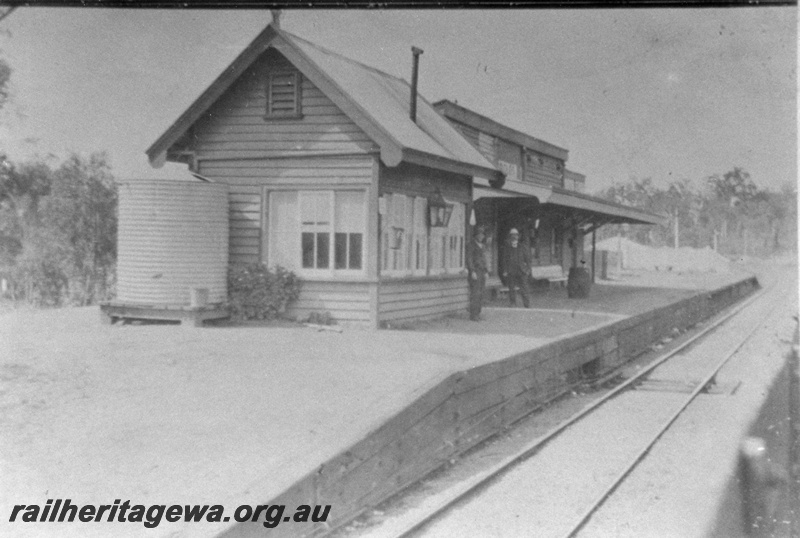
(386, 98)
(376, 101)
(488, 125)
(617, 212)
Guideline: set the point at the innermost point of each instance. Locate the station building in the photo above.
(540, 197)
(344, 175)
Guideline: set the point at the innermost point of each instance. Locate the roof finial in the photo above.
(276, 18)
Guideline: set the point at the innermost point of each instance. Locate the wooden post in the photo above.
(604, 264)
(594, 248)
(744, 240)
(373, 240)
(676, 230)
(574, 244)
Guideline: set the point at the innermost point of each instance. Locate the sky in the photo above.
(631, 93)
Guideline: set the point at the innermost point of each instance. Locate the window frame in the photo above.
(420, 238)
(299, 228)
(405, 222)
(304, 228)
(442, 251)
(297, 111)
(348, 234)
(456, 239)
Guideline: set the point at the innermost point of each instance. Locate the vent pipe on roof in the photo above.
(276, 18)
(415, 71)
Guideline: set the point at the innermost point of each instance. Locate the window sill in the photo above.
(330, 274)
(287, 117)
(462, 273)
(350, 279)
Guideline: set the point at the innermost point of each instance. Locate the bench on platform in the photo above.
(494, 287)
(552, 273)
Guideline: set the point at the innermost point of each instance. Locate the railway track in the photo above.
(626, 422)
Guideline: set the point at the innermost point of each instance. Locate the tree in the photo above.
(733, 187)
(638, 193)
(68, 233)
(680, 200)
(5, 77)
(5, 70)
(730, 212)
(81, 214)
(743, 214)
(21, 188)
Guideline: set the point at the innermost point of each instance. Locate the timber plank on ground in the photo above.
(188, 316)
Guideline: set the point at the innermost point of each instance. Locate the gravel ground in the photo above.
(158, 413)
(541, 514)
(677, 489)
(164, 414)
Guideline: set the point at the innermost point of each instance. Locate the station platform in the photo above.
(282, 414)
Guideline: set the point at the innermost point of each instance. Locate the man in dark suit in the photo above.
(476, 263)
(517, 268)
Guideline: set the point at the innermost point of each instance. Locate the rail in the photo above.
(425, 513)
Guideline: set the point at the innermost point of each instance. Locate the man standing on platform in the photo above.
(517, 268)
(476, 263)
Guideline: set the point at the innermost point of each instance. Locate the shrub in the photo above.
(255, 292)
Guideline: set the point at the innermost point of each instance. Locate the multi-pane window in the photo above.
(455, 233)
(419, 238)
(315, 226)
(317, 231)
(283, 94)
(395, 234)
(410, 246)
(349, 225)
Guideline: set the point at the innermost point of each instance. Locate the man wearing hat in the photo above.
(476, 263)
(516, 268)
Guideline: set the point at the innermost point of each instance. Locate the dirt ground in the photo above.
(677, 492)
(166, 414)
(163, 414)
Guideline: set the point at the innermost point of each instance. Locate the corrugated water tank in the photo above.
(172, 242)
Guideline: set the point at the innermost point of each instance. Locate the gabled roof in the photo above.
(375, 101)
(487, 125)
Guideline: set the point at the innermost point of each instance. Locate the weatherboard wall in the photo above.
(421, 298)
(237, 126)
(413, 297)
(323, 149)
(236, 144)
(526, 164)
(250, 181)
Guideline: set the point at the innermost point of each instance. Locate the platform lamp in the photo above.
(439, 211)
